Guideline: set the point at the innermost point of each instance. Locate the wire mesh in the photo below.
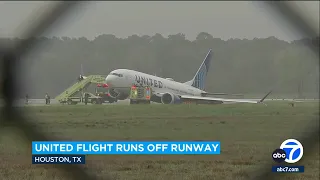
(311, 137)
(10, 62)
(10, 57)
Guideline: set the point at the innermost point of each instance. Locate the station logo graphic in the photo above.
(290, 151)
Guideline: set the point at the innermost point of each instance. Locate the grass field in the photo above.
(248, 135)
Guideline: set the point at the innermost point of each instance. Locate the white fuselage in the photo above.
(122, 79)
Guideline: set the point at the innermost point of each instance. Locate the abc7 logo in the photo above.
(279, 155)
(290, 151)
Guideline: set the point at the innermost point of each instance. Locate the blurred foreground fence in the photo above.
(10, 61)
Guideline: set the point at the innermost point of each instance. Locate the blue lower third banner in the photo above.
(288, 169)
(58, 159)
(143, 147)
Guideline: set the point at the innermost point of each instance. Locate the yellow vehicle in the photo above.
(140, 95)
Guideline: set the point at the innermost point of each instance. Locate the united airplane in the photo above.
(166, 90)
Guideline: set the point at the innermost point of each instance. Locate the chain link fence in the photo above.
(10, 61)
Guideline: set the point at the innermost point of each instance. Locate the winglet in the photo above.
(261, 100)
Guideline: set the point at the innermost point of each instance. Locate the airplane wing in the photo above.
(214, 94)
(222, 100)
(214, 100)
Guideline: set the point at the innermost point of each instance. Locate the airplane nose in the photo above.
(110, 80)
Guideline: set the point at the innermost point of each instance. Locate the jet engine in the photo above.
(118, 95)
(169, 98)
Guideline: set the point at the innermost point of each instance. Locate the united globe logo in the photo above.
(293, 150)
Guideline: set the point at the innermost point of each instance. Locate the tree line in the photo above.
(238, 65)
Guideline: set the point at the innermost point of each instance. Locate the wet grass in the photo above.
(248, 135)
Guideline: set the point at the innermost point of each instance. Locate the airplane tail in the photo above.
(198, 81)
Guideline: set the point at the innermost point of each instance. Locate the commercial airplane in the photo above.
(166, 90)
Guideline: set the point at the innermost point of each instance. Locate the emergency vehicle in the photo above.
(140, 94)
(103, 92)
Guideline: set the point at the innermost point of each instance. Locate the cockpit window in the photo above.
(116, 74)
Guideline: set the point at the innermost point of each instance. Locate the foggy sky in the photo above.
(221, 19)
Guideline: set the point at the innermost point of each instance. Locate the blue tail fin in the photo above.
(198, 81)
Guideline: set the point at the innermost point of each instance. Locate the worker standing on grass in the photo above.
(27, 99)
(47, 98)
(86, 97)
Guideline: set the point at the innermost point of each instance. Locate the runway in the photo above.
(41, 102)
